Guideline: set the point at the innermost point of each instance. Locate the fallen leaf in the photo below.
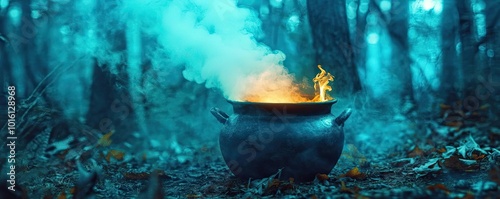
(116, 154)
(469, 147)
(441, 150)
(136, 176)
(437, 187)
(444, 106)
(355, 174)
(475, 156)
(322, 177)
(494, 174)
(416, 152)
(193, 196)
(62, 196)
(274, 183)
(484, 107)
(345, 189)
(468, 195)
(143, 175)
(105, 140)
(454, 162)
(62, 155)
(456, 124)
(431, 166)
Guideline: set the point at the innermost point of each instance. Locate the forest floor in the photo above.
(452, 161)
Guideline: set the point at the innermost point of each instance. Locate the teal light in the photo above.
(373, 38)
(385, 5)
(15, 14)
(430, 5)
(4, 4)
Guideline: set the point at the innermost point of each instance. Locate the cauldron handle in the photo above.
(219, 115)
(343, 117)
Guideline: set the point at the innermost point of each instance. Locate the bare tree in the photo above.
(451, 69)
(359, 40)
(111, 105)
(332, 42)
(469, 49)
(4, 56)
(398, 30)
(492, 13)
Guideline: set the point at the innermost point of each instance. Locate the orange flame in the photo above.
(321, 84)
(270, 88)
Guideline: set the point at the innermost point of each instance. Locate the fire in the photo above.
(271, 88)
(321, 85)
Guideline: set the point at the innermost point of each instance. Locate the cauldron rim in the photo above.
(302, 108)
(281, 103)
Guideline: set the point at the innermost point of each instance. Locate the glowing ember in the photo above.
(268, 88)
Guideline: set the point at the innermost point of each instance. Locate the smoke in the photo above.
(212, 42)
(216, 41)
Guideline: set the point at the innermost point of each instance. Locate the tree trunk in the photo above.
(360, 40)
(398, 30)
(332, 42)
(6, 68)
(468, 52)
(490, 90)
(450, 70)
(111, 105)
(492, 36)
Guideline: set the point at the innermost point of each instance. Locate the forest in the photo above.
(114, 98)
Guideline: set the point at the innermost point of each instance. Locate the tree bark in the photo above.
(450, 70)
(360, 40)
(332, 43)
(492, 13)
(6, 68)
(111, 104)
(490, 89)
(398, 30)
(468, 51)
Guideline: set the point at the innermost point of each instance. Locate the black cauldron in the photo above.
(298, 139)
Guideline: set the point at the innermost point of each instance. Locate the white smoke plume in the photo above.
(215, 40)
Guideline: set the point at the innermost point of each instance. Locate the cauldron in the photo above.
(296, 140)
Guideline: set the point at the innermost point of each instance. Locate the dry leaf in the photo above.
(454, 162)
(143, 175)
(322, 177)
(431, 166)
(355, 174)
(116, 154)
(469, 195)
(441, 150)
(105, 140)
(345, 189)
(193, 196)
(136, 176)
(62, 195)
(416, 152)
(495, 174)
(438, 187)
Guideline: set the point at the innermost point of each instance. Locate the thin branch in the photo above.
(50, 78)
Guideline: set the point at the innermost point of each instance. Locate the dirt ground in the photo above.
(450, 161)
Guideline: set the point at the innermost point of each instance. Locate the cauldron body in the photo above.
(300, 140)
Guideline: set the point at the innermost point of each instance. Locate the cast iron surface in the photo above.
(301, 139)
